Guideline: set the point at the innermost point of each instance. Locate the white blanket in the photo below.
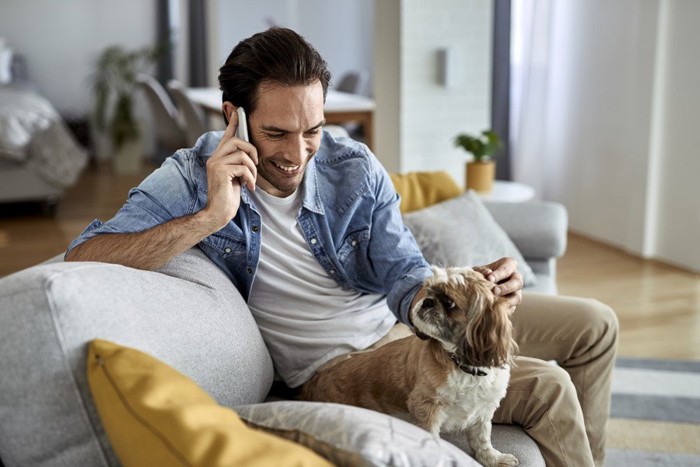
(33, 133)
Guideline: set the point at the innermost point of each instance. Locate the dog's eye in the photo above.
(450, 305)
(428, 303)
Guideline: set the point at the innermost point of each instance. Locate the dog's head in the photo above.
(460, 311)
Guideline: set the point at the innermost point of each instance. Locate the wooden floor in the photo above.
(658, 305)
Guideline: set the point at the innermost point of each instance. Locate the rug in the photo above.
(655, 419)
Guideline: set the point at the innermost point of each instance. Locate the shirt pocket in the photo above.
(353, 246)
(224, 245)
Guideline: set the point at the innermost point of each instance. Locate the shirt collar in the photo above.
(312, 194)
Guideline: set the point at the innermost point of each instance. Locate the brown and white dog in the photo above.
(452, 378)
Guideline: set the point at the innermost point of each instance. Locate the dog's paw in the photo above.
(494, 458)
(506, 459)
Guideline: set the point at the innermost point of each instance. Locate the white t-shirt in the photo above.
(304, 316)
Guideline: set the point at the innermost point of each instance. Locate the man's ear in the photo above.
(229, 111)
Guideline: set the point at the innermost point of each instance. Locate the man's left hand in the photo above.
(507, 281)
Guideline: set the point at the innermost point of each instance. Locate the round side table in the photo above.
(513, 192)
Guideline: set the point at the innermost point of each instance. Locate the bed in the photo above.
(39, 157)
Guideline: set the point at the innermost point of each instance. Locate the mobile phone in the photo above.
(242, 131)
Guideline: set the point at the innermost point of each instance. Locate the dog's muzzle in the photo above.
(419, 334)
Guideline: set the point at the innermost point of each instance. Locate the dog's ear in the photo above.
(489, 334)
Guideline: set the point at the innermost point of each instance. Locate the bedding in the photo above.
(33, 134)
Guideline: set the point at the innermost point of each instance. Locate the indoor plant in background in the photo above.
(113, 86)
(481, 170)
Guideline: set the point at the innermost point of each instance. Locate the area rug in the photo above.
(655, 418)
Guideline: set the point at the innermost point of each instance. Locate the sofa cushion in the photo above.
(462, 232)
(508, 439)
(49, 313)
(381, 440)
(155, 415)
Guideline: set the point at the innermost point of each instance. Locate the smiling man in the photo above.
(308, 229)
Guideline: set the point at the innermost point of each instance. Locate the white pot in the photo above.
(129, 158)
(101, 142)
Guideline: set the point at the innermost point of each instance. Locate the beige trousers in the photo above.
(565, 406)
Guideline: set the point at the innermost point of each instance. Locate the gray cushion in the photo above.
(381, 440)
(507, 439)
(462, 232)
(50, 312)
(537, 228)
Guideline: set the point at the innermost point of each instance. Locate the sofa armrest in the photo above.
(538, 228)
(189, 315)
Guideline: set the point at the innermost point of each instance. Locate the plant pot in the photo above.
(480, 175)
(102, 143)
(128, 159)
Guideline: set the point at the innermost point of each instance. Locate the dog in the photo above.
(450, 376)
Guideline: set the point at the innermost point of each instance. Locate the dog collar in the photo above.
(474, 371)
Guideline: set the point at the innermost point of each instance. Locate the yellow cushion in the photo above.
(419, 190)
(154, 415)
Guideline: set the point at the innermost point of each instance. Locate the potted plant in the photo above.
(481, 170)
(113, 86)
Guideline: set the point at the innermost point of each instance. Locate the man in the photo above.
(308, 228)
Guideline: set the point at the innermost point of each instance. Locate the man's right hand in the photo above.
(233, 162)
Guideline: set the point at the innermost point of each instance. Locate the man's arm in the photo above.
(233, 163)
(149, 249)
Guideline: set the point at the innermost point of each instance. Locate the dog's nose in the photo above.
(428, 303)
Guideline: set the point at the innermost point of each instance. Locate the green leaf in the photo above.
(482, 147)
(114, 85)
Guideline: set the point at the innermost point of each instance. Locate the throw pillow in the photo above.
(154, 415)
(419, 190)
(379, 439)
(462, 232)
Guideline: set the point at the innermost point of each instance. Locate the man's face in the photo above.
(286, 129)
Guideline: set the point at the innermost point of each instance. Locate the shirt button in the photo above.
(332, 271)
(250, 270)
(255, 228)
(227, 250)
(354, 243)
(313, 241)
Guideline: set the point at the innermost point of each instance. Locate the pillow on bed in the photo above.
(6, 55)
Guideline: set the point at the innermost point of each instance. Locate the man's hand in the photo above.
(507, 280)
(234, 162)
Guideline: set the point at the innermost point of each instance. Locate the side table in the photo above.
(513, 192)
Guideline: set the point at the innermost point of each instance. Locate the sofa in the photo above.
(189, 316)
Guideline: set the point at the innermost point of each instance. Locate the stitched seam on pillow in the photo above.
(168, 445)
(320, 447)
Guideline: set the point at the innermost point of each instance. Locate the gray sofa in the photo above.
(190, 316)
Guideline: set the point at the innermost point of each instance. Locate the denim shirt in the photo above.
(349, 217)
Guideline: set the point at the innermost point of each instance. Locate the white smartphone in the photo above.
(242, 131)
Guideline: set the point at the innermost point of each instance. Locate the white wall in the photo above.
(341, 30)
(420, 136)
(61, 40)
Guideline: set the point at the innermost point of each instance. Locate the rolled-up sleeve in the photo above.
(168, 193)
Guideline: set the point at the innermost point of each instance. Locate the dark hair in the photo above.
(276, 55)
